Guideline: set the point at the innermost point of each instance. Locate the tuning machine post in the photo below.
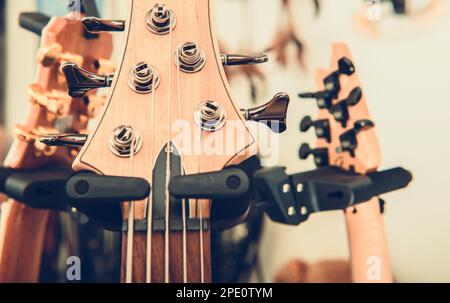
(81, 81)
(349, 141)
(273, 113)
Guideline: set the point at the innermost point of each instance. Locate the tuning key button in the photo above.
(95, 25)
(320, 154)
(273, 113)
(349, 141)
(160, 20)
(324, 98)
(340, 110)
(80, 81)
(243, 59)
(322, 127)
(70, 140)
(331, 82)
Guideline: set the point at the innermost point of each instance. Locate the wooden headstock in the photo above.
(181, 121)
(366, 156)
(22, 229)
(347, 139)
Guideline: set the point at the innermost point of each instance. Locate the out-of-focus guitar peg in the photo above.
(331, 82)
(69, 140)
(322, 127)
(243, 59)
(324, 98)
(273, 113)
(320, 154)
(340, 110)
(54, 54)
(57, 103)
(80, 81)
(34, 22)
(348, 140)
(95, 25)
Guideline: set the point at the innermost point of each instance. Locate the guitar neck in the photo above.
(368, 247)
(186, 264)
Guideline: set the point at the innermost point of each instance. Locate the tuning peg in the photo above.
(48, 56)
(80, 81)
(340, 110)
(320, 154)
(71, 140)
(273, 113)
(331, 82)
(348, 139)
(322, 127)
(34, 22)
(95, 25)
(324, 98)
(243, 59)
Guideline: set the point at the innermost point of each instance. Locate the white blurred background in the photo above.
(405, 74)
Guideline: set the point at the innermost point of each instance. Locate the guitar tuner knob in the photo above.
(320, 154)
(273, 113)
(95, 25)
(69, 140)
(331, 82)
(349, 141)
(340, 110)
(243, 59)
(324, 98)
(80, 81)
(322, 127)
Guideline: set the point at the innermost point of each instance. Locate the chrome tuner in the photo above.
(70, 140)
(160, 20)
(190, 57)
(273, 113)
(96, 25)
(243, 59)
(210, 116)
(123, 140)
(143, 78)
(80, 81)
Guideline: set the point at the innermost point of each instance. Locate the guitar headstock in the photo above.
(170, 92)
(346, 133)
(51, 109)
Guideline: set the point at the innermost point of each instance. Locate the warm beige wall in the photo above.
(405, 80)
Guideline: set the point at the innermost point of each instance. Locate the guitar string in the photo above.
(168, 155)
(130, 230)
(202, 265)
(149, 206)
(183, 201)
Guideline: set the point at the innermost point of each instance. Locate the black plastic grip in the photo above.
(389, 180)
(34, 22)
(5, 173)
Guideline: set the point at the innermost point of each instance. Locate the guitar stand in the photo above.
(287, 199)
